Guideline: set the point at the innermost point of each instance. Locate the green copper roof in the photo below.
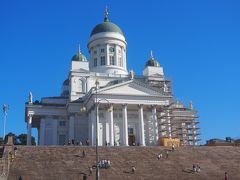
(106, 26)
(66, 82)
(79, 57)
(152, 62)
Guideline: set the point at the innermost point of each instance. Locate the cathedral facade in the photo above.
(101, 99)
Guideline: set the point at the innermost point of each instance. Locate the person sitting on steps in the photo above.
(133, 169)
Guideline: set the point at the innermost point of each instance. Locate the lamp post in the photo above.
(97, 155)
(83, 109)
(97, 101)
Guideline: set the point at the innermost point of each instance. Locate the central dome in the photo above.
(106, 27)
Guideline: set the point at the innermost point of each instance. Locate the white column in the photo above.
(125, 125)
(155, 124)
(93, 121)
(104, 130)
(97, 129)
(71, 128)
(90, 126)
(42, 132)
(107, 55)
(111, 126)
(141, 125)
(116, 54)
(55, 130)
(29, 130)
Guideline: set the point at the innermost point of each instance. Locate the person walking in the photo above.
(226, 176)
(90, 170)
(167, 154)
(173, 147)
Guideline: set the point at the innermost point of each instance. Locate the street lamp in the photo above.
(97, 155)
(97, 101)
(84, 109)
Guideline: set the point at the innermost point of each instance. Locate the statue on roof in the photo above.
(30, 98)
(131, 74)
(190, 105)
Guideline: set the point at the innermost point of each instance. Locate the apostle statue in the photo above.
(30, 98)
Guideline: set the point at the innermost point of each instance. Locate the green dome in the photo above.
(79, 57)
(66, 82)
(152, 62)
(106, 27)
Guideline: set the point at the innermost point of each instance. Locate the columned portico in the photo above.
(141, 125)
(125, 125)
(29, 129)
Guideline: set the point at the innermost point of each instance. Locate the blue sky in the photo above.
(197, 43)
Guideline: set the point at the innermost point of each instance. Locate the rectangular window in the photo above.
(120, 63)
(95, 62)
(95, 52)
(62, 139)
(102, 50)
(111, 60)
(102, 60)
(130, 130)
(62, 123)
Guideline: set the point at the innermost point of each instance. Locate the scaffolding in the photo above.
(177, 121)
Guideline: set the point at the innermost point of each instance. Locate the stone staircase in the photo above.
(66, 162)
(4, 162)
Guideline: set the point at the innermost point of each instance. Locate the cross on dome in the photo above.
(151, 54)
(79, 49)
(106, 15)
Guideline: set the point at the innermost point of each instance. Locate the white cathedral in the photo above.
(100, 93)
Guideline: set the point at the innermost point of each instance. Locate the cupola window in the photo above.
(95, 62)
(120, 63)
(111, 60)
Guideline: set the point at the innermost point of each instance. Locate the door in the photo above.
(131, 137)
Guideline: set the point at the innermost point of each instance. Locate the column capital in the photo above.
(140, 105)
(30, 115)
(124, 105)
(154, 106)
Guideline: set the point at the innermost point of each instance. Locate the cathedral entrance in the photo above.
(131, 137)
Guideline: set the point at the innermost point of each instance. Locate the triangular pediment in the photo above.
(131, 88)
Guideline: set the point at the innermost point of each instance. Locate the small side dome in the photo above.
(152, 62)
(106, 26)
(66, 82)
(79, 56)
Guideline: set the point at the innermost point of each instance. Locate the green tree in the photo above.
(22, 139)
